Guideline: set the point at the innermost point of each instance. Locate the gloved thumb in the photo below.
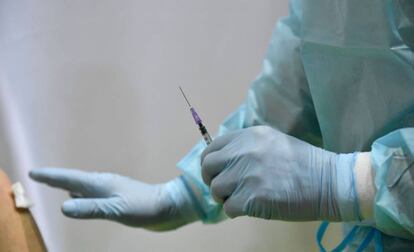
(89, 208)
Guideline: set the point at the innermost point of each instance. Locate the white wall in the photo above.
(83, 85)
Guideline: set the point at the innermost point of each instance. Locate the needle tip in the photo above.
(184, 96)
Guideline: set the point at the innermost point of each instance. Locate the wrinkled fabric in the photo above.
(393, 161)
(337, 74)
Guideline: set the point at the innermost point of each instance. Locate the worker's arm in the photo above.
(18, 228)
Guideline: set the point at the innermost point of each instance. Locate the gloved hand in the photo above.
(122, 199)
(265, 173)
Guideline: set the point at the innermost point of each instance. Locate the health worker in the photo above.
(326, 133)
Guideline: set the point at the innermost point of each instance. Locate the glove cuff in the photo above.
(181, 198)
(347, 197)
(364, 183)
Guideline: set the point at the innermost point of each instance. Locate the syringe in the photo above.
(197, 119)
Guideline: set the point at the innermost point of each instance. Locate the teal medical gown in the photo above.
(340, 74)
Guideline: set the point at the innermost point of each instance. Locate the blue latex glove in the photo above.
(264, 173)
(122, 199)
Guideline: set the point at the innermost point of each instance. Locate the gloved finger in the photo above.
(86, 183)
(219, 143)
(233, 206)
(222, 187)
(90, 208)
(213, 164)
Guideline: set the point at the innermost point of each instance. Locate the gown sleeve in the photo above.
(279, 98)
(393, 160)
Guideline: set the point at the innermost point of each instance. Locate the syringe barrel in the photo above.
(207, 139)
(204, 133)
